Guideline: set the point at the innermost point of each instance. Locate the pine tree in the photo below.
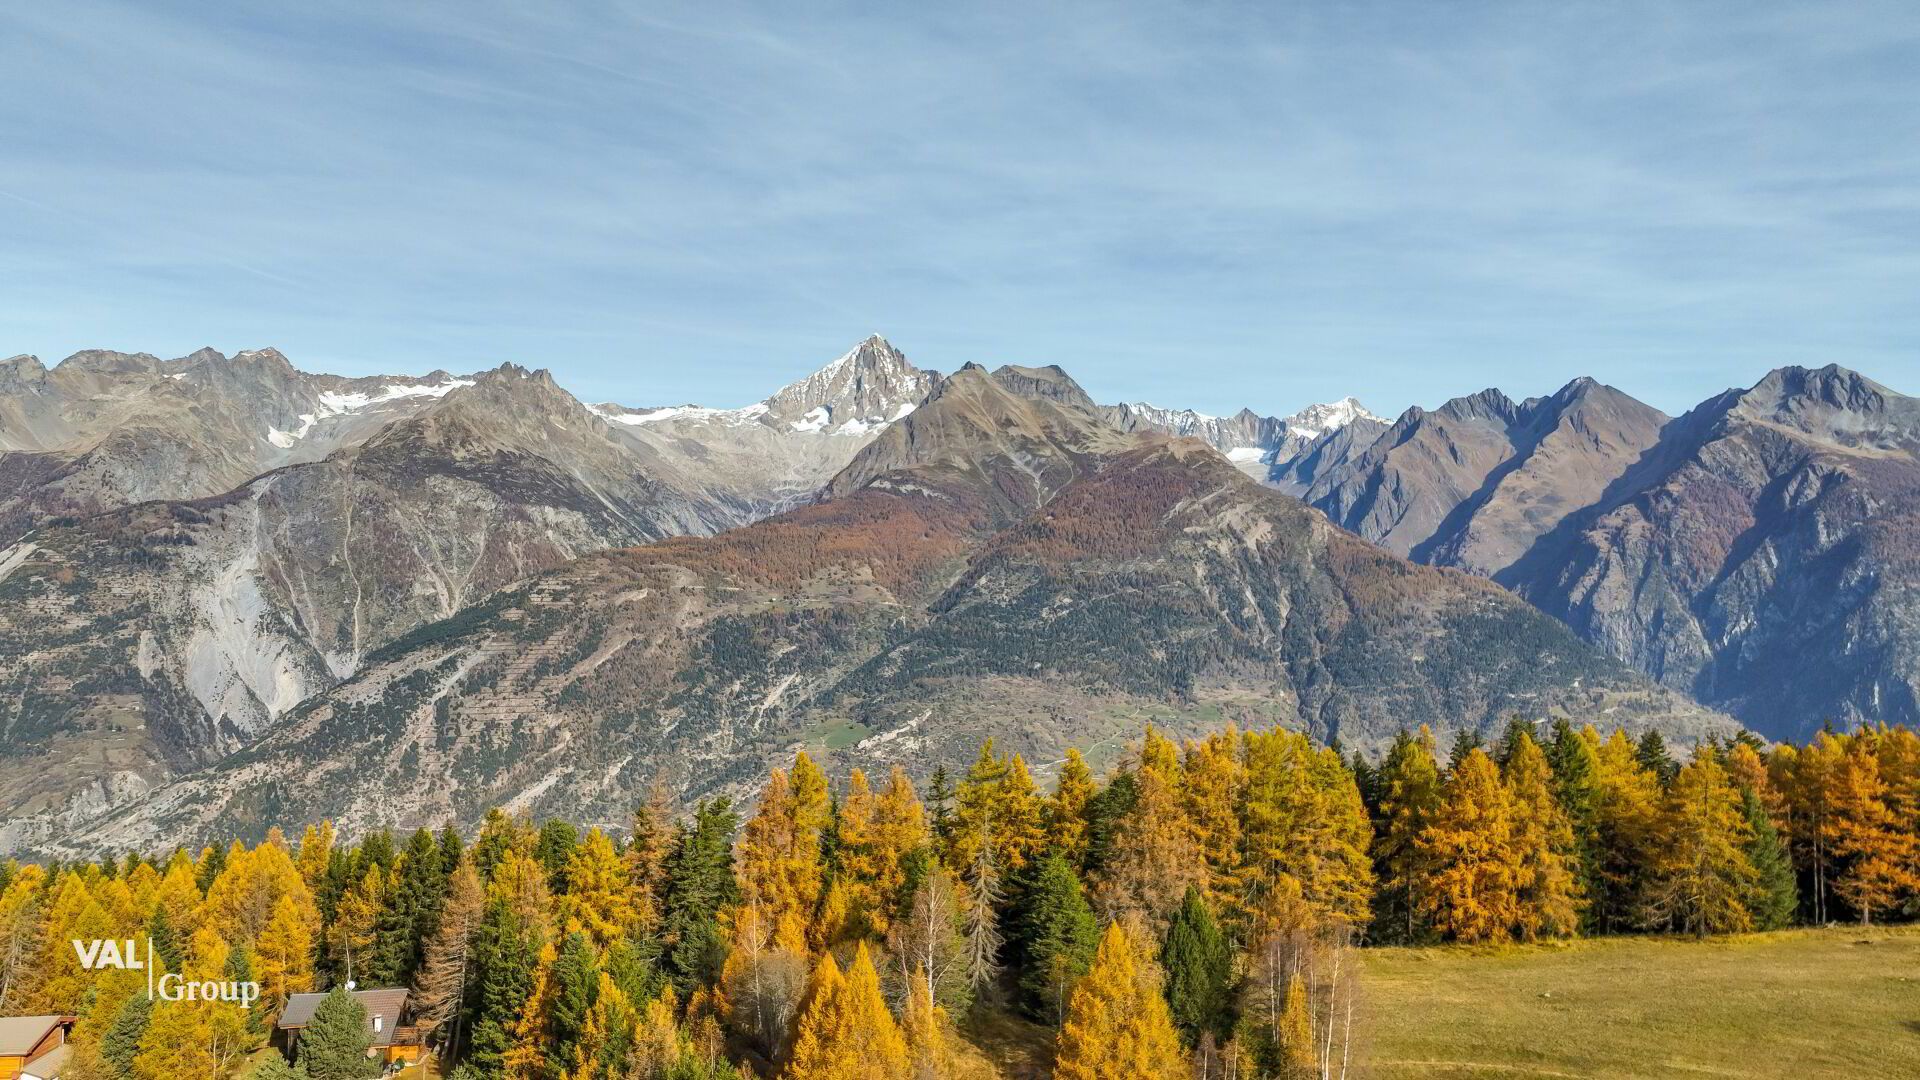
(554, 849)
(506, 956)
(1471, 889)
(1198, 962)
(1055, 936)
(1117, 1023)
(700, 884)
(845, 1031)
(334, 1044)
(1547, 887)
(1653, 755)
(1409, 784)
(1775, 897)
(121, 1040)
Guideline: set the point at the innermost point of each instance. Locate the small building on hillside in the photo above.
(33, 1047)
(388, 1039)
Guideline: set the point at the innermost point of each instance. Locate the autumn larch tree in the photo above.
(1117, 1022)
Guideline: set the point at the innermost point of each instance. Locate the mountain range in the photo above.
(233, 594)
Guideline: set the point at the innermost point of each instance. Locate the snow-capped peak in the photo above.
(1317, 420)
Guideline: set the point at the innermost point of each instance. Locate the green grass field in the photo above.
(1841, 1002)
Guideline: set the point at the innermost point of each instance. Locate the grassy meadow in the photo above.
(1839, 1002)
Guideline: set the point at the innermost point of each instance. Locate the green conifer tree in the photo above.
(334, 1044)
(121, 1041)
(1055, 935)
(1198, 962)
(1775, 896)
(700, 883)
(1653, 754)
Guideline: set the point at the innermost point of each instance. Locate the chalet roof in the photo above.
(20, 1034)
(383, 1012)
(50, 1065)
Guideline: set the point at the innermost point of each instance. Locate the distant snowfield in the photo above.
(334, 403)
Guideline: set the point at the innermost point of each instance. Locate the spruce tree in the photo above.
(1775, 896)
(1464, 743)
(558, 839)
(1055, 936)
(1106, 812)
(1198, 962)
(1653, 755)
(506, 952)
(334, 1044)
(576, 977)
(700, 883)
(121, 1041)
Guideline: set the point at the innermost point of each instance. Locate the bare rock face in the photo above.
(1476, 482)
(176, 632)
(1760, 557)
(996, 562)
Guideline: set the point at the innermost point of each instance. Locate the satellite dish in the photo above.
(350, 985)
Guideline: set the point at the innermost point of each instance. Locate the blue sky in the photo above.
(1205, 204)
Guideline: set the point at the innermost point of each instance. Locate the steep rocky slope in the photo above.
(150, 640)
(1762, 556)
(1475, 482)
(998, 562)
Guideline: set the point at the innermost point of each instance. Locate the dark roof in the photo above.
(20, 1034)
(384, 1005)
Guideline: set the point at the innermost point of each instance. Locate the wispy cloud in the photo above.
(671, 202)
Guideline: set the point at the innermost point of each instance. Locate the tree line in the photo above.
(1193, 913)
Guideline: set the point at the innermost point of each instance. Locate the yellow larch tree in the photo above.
(608, 1034)
(350, 936)
(1305, 836)
(1153, 858)
(1467, 849)
(1066, 809)
(1701, 878)
(1117, 1024)
(1876, 852)
(601, 900)
(845, 1032)
(1547, 894)
(316, 851)
(283, 954)
(1212, 784)
(526, 1057)
(1627, 806)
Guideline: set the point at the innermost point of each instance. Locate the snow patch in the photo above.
(1245, 453)
(333, 403)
